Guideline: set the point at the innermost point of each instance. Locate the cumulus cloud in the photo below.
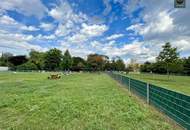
(64, 12)
(47, 26)
(87, 32)
(25, 7)
(163, 23)
(159, 25)
(69, 20)
(9, 23)
(65, 28)
(114, 36)
(93, 30)
(17, 42)
(6, 20)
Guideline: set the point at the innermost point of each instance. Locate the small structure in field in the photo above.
(54, 76)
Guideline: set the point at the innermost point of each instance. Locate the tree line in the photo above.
(168, 62)
(54, 60)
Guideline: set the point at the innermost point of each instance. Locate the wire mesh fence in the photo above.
(173, 104)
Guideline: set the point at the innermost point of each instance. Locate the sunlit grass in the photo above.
(77, 101)
(177, 83)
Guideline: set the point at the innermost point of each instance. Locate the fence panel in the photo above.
(173, 104)
(139, 88)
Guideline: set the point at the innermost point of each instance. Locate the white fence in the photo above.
(2, 68)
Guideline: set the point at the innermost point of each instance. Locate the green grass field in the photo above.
(78, 102)
(176, 83)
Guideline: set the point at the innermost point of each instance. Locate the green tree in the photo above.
(52, 59)
(27, 66)
(169, 57)
(186, 66)
(4, 59)
(113, 65)
(120, 65)
(78, 64)
(146, 67)
(95, 62)
(67, 61)
(37, 58)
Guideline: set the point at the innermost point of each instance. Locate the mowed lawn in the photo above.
(176, 83)
(75, 102)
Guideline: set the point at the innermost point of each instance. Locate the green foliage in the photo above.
(169, 57)
(120, 65)
(52, 59)
(95, 62)
(27, 66)
(4, 59)
(78, 64)
(168, 61)
(18, 60)
(187, 66)
(37, 58)
(146, 67)
(67, 61)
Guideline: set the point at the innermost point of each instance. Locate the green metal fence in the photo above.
(173, 104)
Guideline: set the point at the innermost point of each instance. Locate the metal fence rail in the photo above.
(173, 104)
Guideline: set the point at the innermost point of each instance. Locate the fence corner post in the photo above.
(148, 92)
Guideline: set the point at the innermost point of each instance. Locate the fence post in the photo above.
(147, 92)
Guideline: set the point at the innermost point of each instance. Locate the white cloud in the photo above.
(93, 30)
(56, 14)
(65, 28)
(47, 26)
(29, 28)
(163, 23)
(7, 20)
(26, 7)
(183, 44)
(45, 37)
(114, 36)
(69, 21)
(9, 23)
(18, 43)
(87, 32)
(158, 25)
(64, 12)
(78, 38)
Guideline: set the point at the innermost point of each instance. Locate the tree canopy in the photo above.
(52, 59)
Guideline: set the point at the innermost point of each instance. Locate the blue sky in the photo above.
(131, 29)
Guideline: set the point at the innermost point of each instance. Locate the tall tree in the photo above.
(78, 64)
(169, 57)
(67, 61)
(120, 65)
(52, 59)
(95, 62)
(37, 58)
